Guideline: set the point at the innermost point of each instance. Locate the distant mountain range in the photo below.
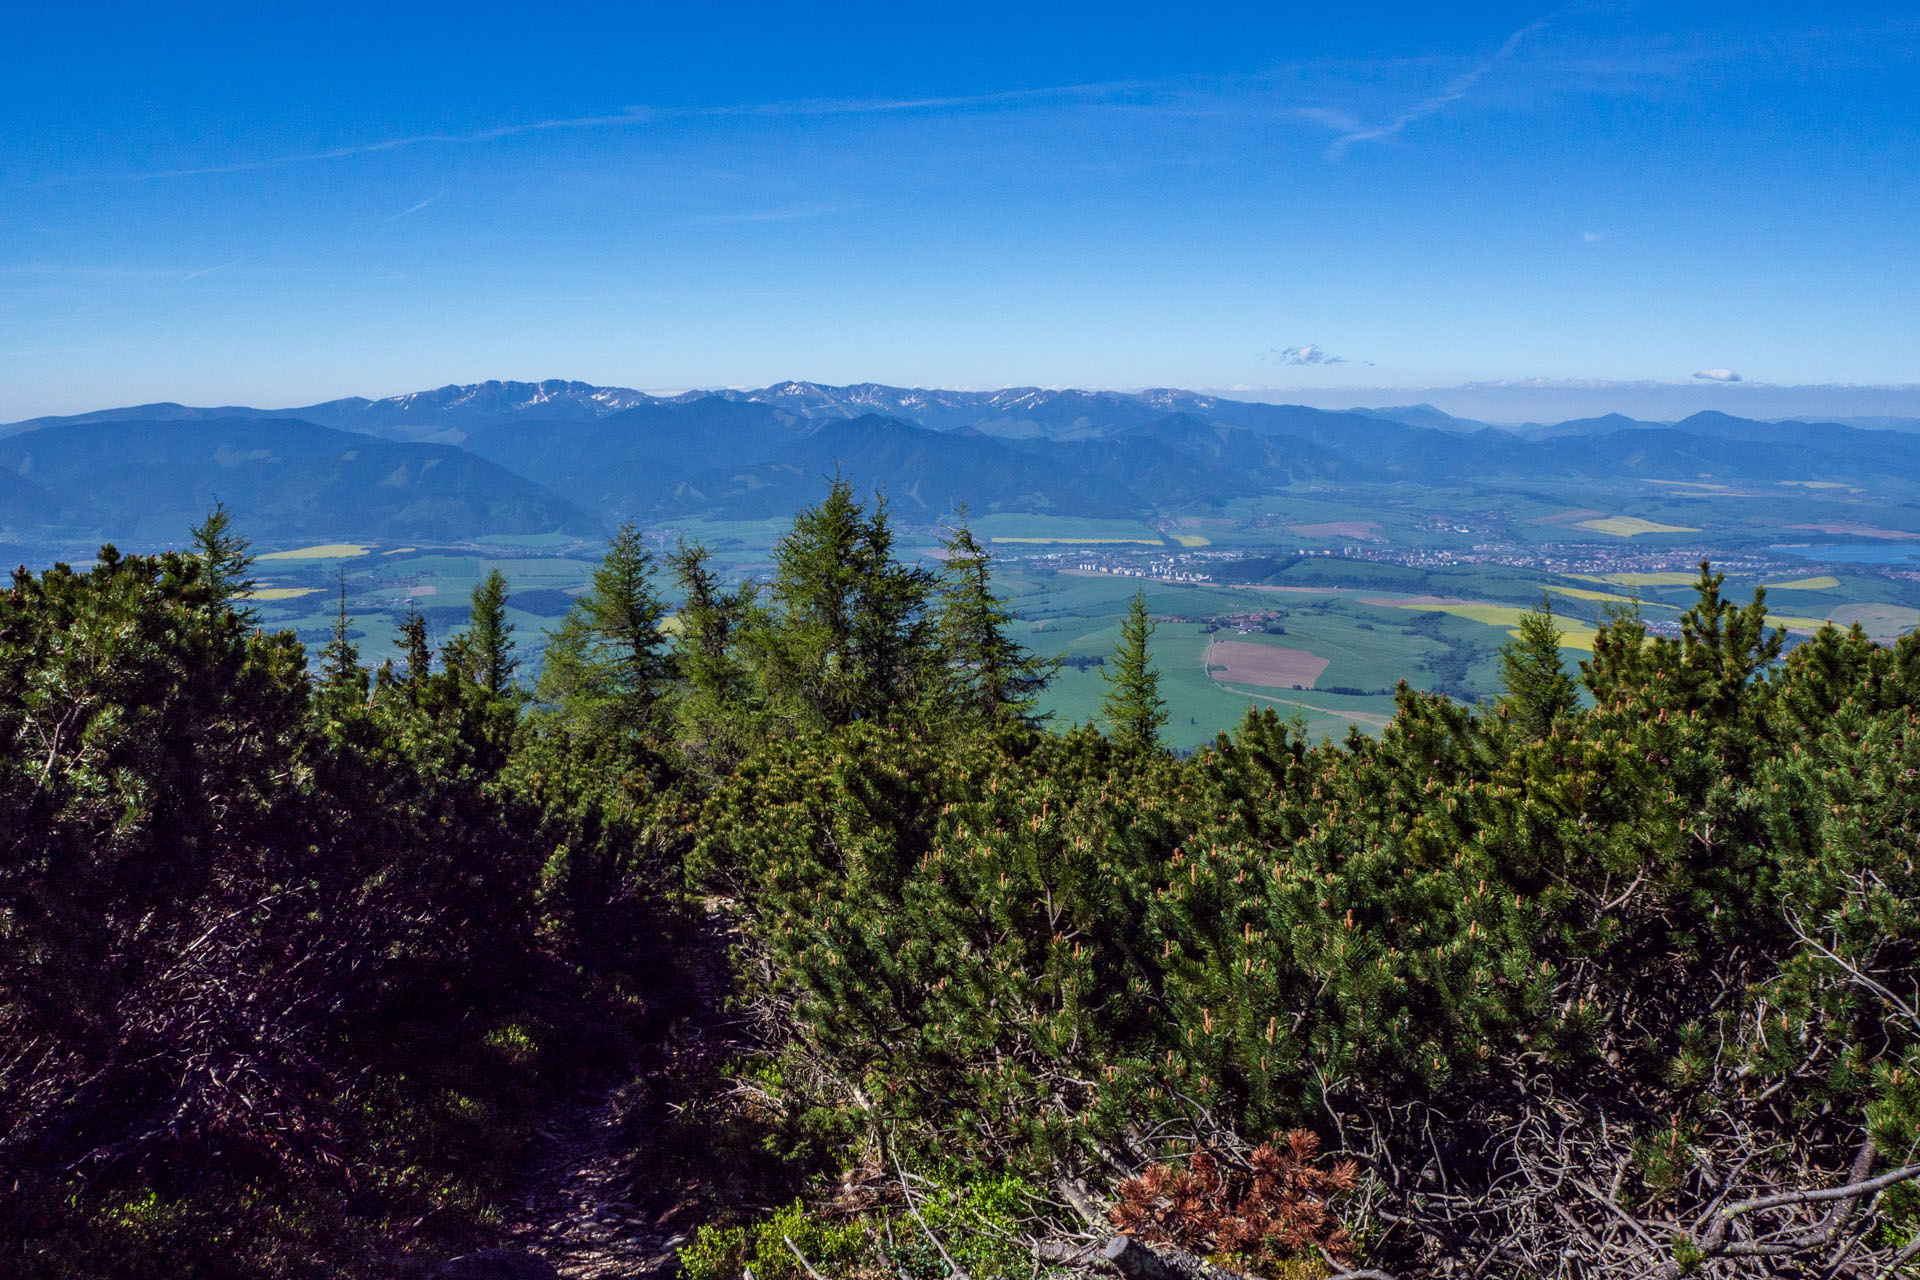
(572, 458)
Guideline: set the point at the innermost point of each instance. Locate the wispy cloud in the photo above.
(628, 118)
(894, 106)
(1351, 128)
(207, 271)
(632, 116)
(416, 208)
(1313, 92)
(1595, 237)
(1309, 354)
(790, 213)
(1717, 375)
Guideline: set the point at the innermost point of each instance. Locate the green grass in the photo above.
(531, 540)
(1018, 527)
(1368, 647)
(1882, 621)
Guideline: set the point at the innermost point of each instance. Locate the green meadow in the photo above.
(1038, 530)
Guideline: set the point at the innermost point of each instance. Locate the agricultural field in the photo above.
(1855, 530)
(1198, 705)
(1587, 593)
(1881, 621)
(1367, 649)
(1362, 530)
(1574, 634)
(325, 551)
(1033, 530)
(1270, 666)
(1674, 579)
(1632, 526)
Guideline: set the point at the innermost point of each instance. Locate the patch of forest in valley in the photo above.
(815, 922)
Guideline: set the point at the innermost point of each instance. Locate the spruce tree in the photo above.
(226, 562)
(716, 699)
(341, 674)
(988, 674)
(1538, 688)
(1133, 710)
(413, 643)
(849, 639)
(609, 653)
(485, 650)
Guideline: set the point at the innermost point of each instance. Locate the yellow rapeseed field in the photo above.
(1629, 526)
(1574, 634)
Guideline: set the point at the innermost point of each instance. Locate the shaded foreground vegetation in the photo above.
(293, 961)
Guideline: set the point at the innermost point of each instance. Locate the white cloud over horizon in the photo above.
(1311, 353)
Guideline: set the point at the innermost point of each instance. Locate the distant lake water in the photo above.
(1859, 552)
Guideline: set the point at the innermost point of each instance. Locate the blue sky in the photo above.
(277, 204)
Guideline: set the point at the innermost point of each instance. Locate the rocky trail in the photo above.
(595, 1205)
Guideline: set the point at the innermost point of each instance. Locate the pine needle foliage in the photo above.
(485, 650)
(1538, 689)
(251, 933)
(848, 635)
(342, 679)
(718, 699)
(608, 660)
(1133, 710)
(226, 560)
(987, 674)
(417, 649)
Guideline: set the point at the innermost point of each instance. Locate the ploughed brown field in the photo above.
(1244, 662)
(1365, 530)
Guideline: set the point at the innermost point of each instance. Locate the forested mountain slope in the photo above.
(501, 452)
(146, 479)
